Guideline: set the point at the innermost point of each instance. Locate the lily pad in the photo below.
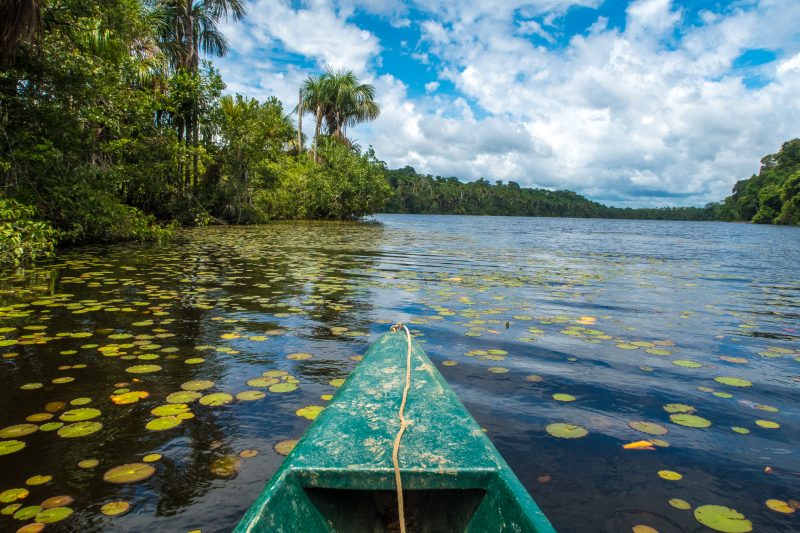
(197, 385)
(78, 415)
(26, 513)
(733, 382)
(10, 446)
(310, 412)
(692, 421)
(299, 356)
(285, 446)
(83, 400)
(670, 475)
(152, 457)
(722, 519)
(226, 466)
(561, 397)
(163, 423)
(250, 395)
(679, 408)
(338, 382)
(678, 503)
(283, 387)
(262, 382)
(38, 480)
(79, 429)
(780, 506)
(566, 431)
(737, 360)
(129, 397)
(216, 399)
(57, 501)
(88, 463)
(650, 428)
(129, 473)
(143, 369)
(687, 364)
(54, 407)
(768, 424)
(768, 408)
(12, 495)
(170, 409)
(55, 514)
(115, 508)
(19, 430)
(183, 397)
(497, 370)
(10, 509)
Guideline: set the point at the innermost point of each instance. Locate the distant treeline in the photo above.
(425, 194)
(770, 197)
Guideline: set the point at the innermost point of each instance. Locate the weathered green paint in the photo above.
(349, 449)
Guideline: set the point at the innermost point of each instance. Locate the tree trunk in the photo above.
(316, 132)
(300, 122)
(195, 132)
(179, 176)
(188, 34)
(195, 144)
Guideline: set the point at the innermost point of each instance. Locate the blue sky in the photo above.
(629, 102)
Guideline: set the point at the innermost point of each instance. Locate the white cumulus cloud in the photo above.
(652, 114)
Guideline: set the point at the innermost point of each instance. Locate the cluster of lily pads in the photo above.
(481, 322)
(128, 317)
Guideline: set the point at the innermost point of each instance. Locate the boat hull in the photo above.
(340, 476)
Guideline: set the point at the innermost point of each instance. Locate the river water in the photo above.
(682, 334)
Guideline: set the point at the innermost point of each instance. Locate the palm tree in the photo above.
(186, 28)
(315, 99)
(191, 26)
(351, 102)
(340, 100)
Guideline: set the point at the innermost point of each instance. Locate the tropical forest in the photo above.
(117, 126)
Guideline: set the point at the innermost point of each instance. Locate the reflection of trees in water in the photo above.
(283, 265)
(244, 273)
(188, 476)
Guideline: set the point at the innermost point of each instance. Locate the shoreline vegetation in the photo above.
(113, 127)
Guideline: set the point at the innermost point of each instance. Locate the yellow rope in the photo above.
(403, 424)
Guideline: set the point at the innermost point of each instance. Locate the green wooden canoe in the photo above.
(340, 476)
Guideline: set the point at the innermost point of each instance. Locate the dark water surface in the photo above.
(597, 310)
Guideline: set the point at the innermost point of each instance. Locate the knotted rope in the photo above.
(404, 423)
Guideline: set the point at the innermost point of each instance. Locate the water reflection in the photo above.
(623, 317)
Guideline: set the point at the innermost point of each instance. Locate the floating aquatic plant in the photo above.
(566, 431)
(129, 473)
